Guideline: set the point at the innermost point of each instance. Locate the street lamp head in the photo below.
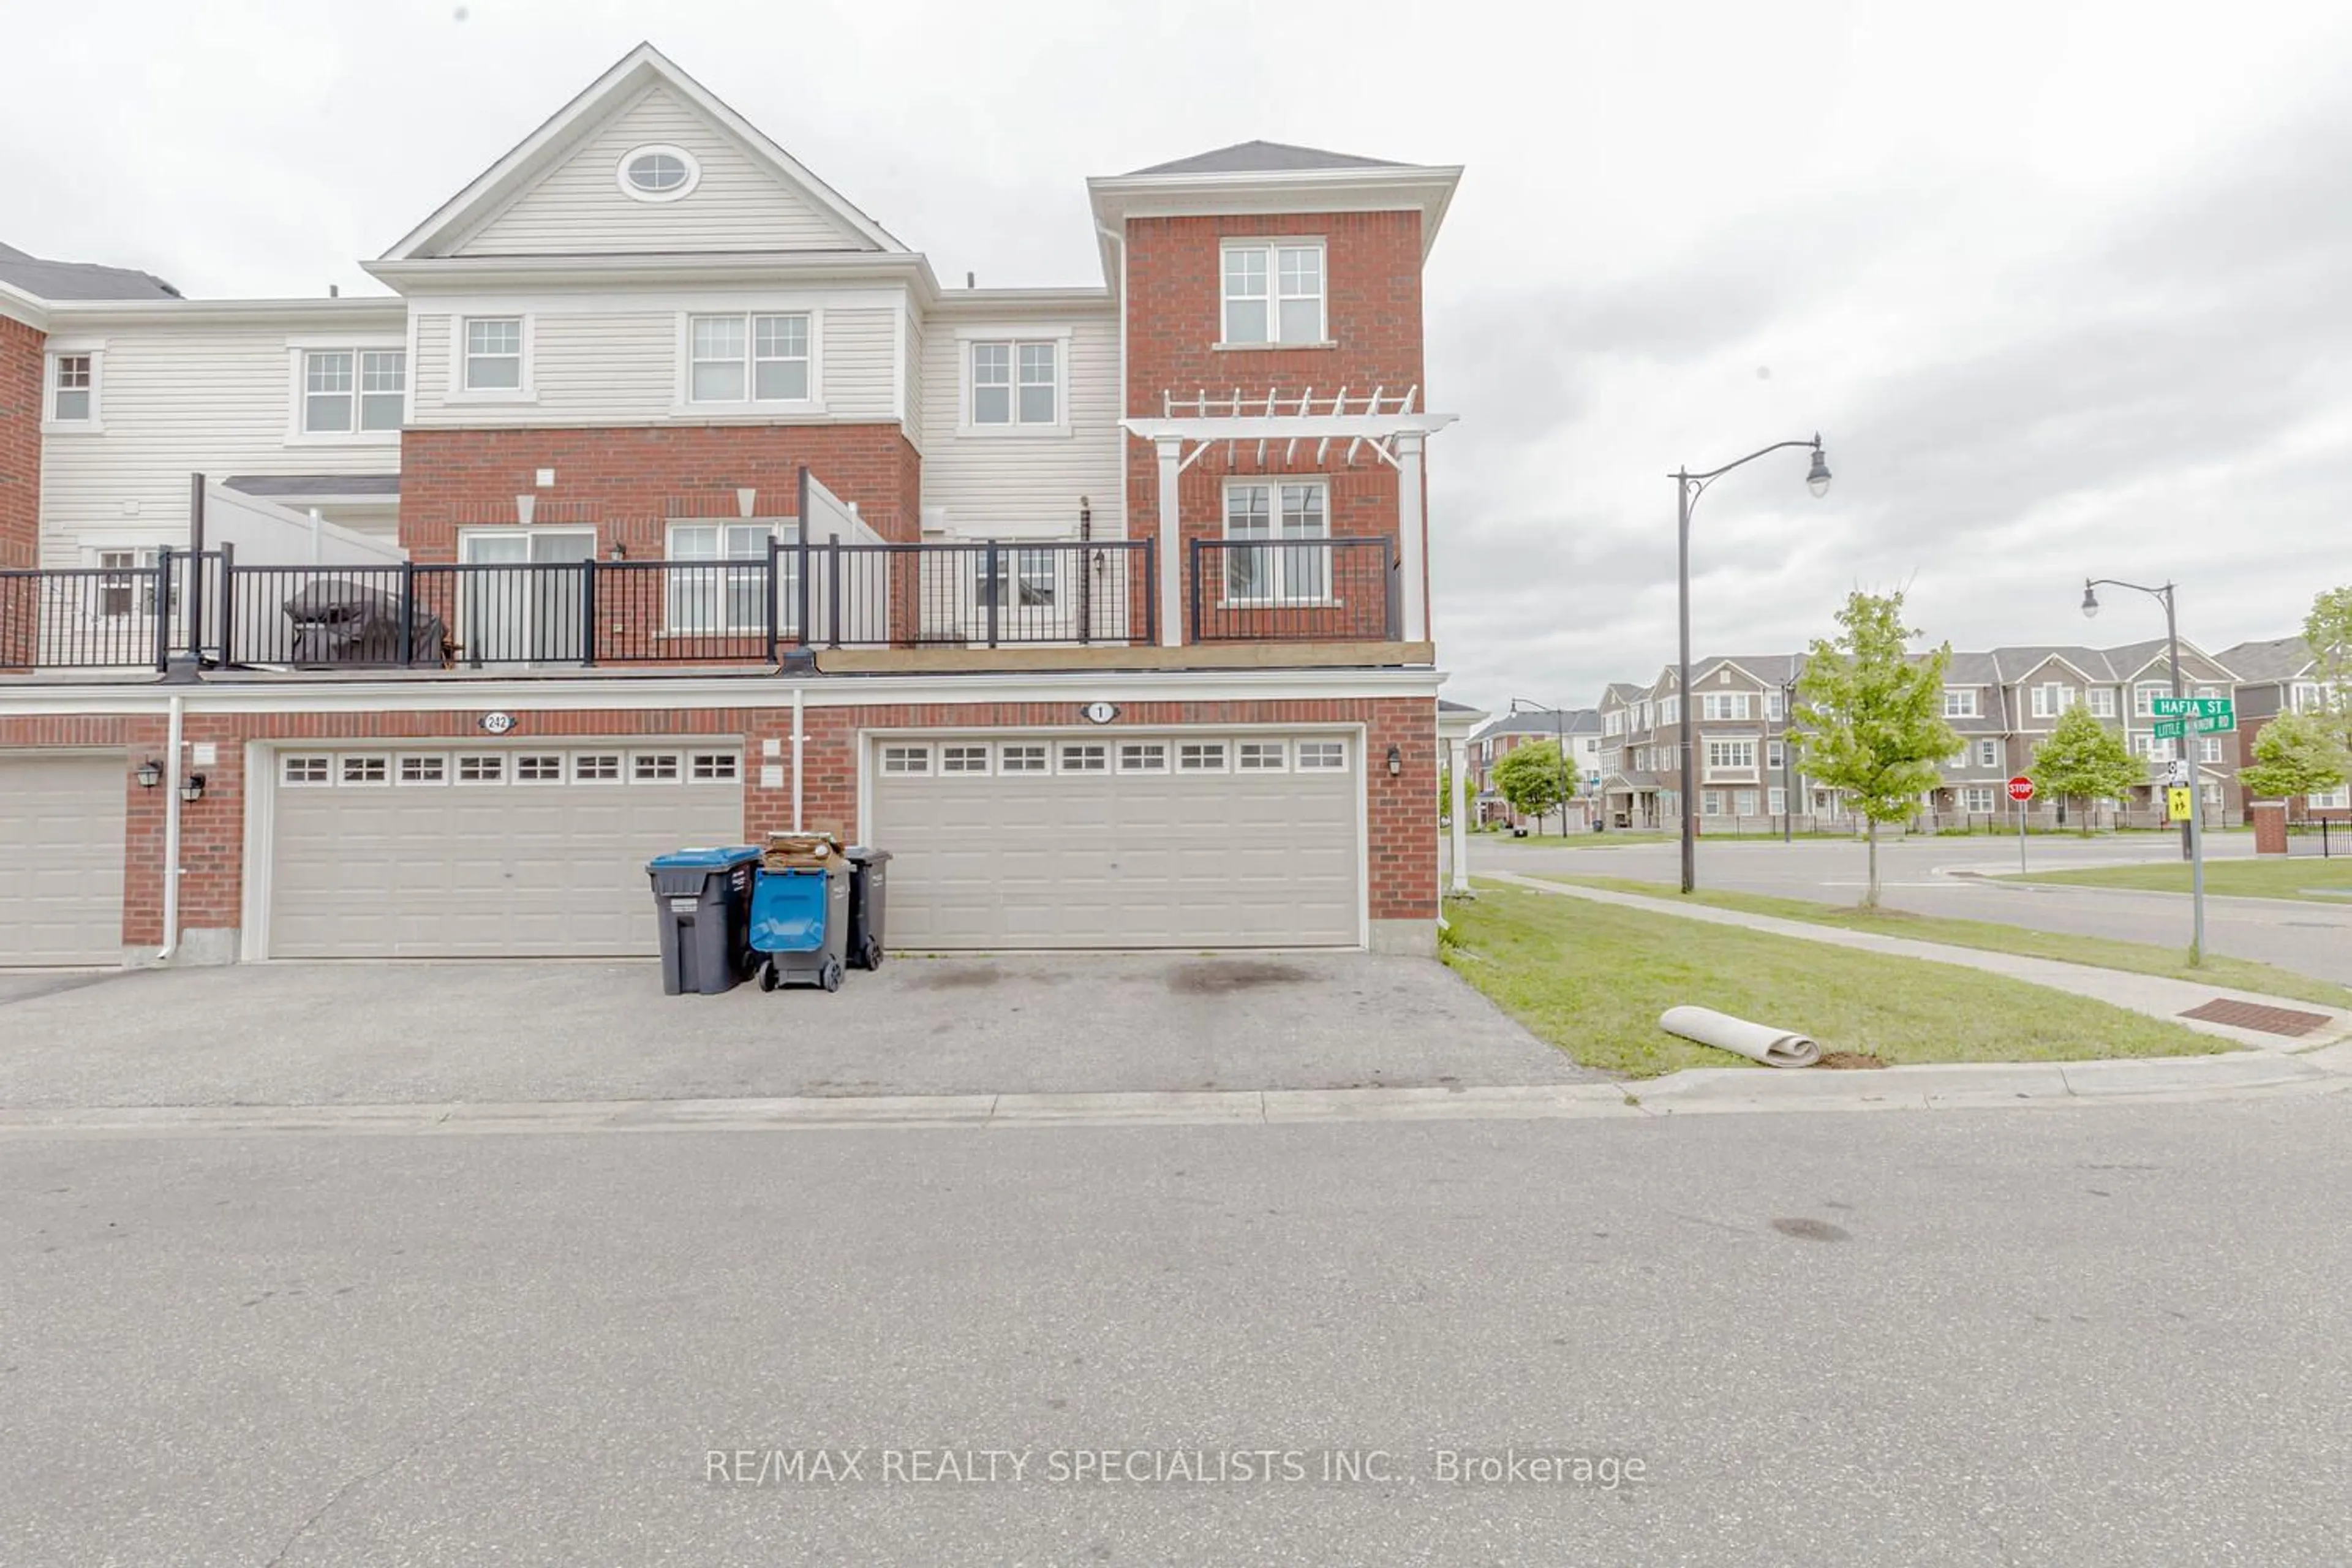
(2090, 603)
(1818, 479)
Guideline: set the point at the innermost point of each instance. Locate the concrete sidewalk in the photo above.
(2153, 995)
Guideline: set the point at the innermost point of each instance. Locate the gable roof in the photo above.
(544, 149)
(1265, 157)
(2278, 658)
(48, 279)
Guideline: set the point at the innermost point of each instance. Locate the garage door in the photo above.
(60, 859)
(489, 853)
(1174, 840)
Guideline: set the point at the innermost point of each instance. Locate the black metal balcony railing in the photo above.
(1294, 590)
(752, 610)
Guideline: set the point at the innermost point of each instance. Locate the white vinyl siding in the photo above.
(737, 205)
(987, 486)
(609, 366)
(191, 398)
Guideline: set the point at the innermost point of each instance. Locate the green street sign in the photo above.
(2223, 724)
(2198, 707)
(2171, 729)
(2178, 729)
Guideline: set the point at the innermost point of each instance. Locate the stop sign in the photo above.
(2021, 788)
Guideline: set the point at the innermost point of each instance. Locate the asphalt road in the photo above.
(1916, 875)
(2112, 1335)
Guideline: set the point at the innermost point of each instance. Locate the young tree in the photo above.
(1869, 721)
(2084, 758)
(1533, 778)
(2328, 630)
(2295, 755)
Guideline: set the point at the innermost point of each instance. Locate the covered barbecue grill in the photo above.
(337, 623)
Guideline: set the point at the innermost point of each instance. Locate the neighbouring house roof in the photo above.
(1972, 669)
(2278, 658)
(79, 280)
(2014, 664)
(1265, 157)
(1622, 692)
(1771, 668)
(1635, 782)
(1448, 705)
(350, 485)
(1543, 722)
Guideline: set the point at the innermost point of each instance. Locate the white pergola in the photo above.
(1384, 423)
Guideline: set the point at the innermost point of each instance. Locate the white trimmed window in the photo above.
(493, 353)
(963, 759)
(1278, 554)
(367, 770)
(597, 767)
(489, 768)
(1773, 705)
(658, 173)
(1723, 705)
(1710, 803)
(715, 767)
(306, 770)
(2336, 799)
(424, 770)
(73, 388)
(2050, 701)
(1322, 756)
(1959, 703)
(1200, 757)
(1023, 577)
(353, 391)
(906, 759)
(721, 598)
(1775, 755)
(1087, 758)
(1977, 799)
(1273, 292)
(1670, 710)
(2144, 698)
(128, 587)
(1730, 754)
(1776, 800)
(1143, 757)
(534, 767)
(749, 358)
(1021, 759)
(655, 767)
(2103, 701)
(1988, 753)
(1261, 756)
(2209, 748)
(1016, 383)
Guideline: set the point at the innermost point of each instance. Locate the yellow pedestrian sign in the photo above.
(2179, 801)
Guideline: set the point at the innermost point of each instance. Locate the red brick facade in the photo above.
(20, 443)
(630, 481)
(1402, 832)
(1175, 317)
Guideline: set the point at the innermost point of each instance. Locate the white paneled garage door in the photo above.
(60, 859)
(522, 852)
(1146, 840)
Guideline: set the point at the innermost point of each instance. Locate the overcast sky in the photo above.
(2067, 287)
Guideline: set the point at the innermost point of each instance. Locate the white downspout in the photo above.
(171, 840)
(800, 736)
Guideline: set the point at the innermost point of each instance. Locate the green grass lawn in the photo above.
(2097, 952)
(1592, 979)
(2277, 878)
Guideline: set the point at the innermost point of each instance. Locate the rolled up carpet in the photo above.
(1758, 1042)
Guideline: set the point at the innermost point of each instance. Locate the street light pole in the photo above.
(2192, 832)
(1788, 764)
(1688, 487)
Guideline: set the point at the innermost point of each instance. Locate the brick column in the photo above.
(2270, 828)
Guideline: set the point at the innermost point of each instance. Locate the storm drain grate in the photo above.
(2252, 1016)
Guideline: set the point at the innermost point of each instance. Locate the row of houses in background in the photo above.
(2002, 702)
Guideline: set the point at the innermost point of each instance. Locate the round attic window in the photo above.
(658, 173)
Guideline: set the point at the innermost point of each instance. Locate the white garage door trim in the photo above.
(98, 910)
(265, 765)
(1361, 764)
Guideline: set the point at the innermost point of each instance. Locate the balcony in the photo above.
(839, 606)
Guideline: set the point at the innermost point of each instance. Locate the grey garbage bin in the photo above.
(868, 878)
(702, 904)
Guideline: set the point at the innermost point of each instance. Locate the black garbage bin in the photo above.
(702, 903)
(868, 876)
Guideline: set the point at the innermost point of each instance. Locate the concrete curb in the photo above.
(1705, 1091)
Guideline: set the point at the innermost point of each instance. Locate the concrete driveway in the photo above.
(317, 1034)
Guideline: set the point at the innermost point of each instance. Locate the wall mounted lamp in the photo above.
(1396, 761)
(150, 774)
(192, 788)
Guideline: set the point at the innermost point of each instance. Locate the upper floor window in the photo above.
(2053, 699)
(1017, 384)
(1723, 704)
(1274, 291)
(658, 172)
(1959, 703)
(1670, 710)
(2103, 701)
(1773, 705)
(347, 389)
(73, 388)
(493, 353)
(2144, 697)
(756, 359)
(1278, 555)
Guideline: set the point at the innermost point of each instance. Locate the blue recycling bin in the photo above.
(800, 921)
(702, 903)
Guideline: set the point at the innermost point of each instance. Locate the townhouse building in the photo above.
(1577, 731)
(667, 497)
(2277, 676)
(1739, 728)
